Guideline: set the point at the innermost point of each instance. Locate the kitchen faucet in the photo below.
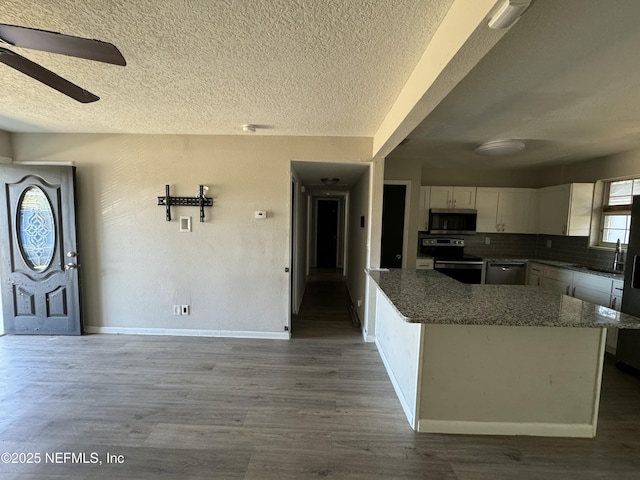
(617, 260)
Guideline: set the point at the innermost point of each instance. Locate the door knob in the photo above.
(70, 266)
(398, 256)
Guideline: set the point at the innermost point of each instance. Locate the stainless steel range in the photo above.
(450, 259)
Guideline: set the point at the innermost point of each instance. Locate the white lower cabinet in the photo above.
(535, 272)
(591, 288)
(616, 303)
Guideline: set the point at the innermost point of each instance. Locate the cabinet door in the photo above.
(487, 206)
(553, 209)
(556, 285)
(534, 274)
(464, 197)
(514, 210)
(440, 197)
(593, 296)
(534, 280)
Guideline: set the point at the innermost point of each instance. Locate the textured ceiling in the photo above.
(296, 67)
(565, 79)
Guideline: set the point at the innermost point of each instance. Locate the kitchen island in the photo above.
(491, 359)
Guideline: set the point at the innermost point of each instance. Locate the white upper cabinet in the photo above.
(565, 209)
(505, 210)
(452, 197)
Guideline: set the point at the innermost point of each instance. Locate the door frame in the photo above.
(407, 205)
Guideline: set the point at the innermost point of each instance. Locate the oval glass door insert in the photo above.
(37, 229)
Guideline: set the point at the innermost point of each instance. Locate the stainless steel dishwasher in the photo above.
(506, 272)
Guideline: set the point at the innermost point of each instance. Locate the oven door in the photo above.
(463, 271)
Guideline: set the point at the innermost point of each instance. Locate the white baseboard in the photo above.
(187, 332)
(6, 160)
(507, 428)
(396, 386)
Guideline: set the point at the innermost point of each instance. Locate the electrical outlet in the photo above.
(359, 302)
(487, 240)
(177, 309)
(185, 310)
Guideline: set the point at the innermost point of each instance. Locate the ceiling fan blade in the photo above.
(59, 43)
(45, 76)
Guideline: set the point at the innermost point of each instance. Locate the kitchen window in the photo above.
(616, 210)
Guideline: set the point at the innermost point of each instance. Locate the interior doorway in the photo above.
(327, 233)
(393, 249)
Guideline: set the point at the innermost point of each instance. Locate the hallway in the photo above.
(325, 307)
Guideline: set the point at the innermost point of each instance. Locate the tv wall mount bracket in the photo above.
(199, 200)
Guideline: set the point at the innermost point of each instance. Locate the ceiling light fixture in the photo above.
(249, 128)
(500, 147)
(330, 180)
(508, 13)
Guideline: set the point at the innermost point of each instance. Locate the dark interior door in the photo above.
(392, 225)
(327, 234)
(38, 252)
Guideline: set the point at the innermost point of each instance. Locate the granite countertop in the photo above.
(427, 296)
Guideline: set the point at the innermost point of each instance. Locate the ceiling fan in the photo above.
(53, 42)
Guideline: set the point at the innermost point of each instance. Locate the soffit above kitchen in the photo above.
(291, 67)
(564, 79)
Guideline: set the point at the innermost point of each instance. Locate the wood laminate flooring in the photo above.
(318, 406)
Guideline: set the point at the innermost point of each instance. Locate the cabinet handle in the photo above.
(454, 203)
(567, 289)
(613, 303)
(503, 227)
(497, 227)
(538, 282)
(574, 292)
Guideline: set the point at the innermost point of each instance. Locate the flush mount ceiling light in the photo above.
(508, 13)
(330, 180)
(500, 147)
(249, 128)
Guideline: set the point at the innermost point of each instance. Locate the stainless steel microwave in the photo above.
(452, 220)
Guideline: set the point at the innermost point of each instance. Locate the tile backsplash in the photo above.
(565, 249)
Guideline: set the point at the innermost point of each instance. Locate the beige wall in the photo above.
(230, 269)
(299, 261)
(615, 166)
(479, 178)
(5, 145)
(357, 241)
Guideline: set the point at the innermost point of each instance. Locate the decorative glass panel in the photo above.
(37, 229)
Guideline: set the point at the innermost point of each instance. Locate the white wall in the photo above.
(230, 269)
(357, 242)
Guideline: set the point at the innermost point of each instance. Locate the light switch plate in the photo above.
(261, 214)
